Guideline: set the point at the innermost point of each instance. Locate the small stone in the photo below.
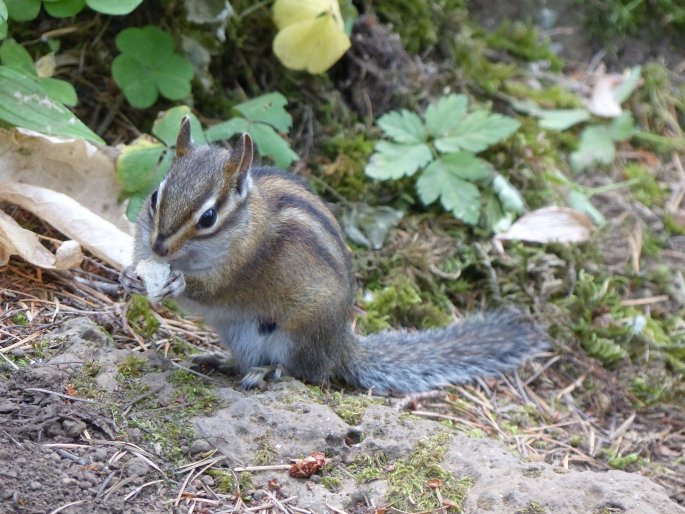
(68, 481)
(9, 473)
(315, 478)
(207, 480)
(54, 429)
(100, 454)
(200, 446)
(20, 461)
(73, 428)
(35, 485)
(135, 435)
(84, 484)
(137, 467)
(259, 494)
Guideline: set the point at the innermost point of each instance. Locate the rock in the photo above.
(200, 446)
(73, 428)
(137, 467)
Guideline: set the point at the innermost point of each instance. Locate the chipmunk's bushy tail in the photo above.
(482, 345)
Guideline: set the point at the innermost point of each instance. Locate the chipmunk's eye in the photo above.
(207, 219)
(153, 201)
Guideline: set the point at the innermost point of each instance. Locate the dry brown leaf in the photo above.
(548, 225)
(70, 166)
(304, 468)
(94, 233)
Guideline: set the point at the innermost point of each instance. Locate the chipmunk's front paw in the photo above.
(158, 280)
(258, 375)
(131, 281)
(173, 287)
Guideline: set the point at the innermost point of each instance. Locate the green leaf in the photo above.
(596, 146)
(3, 19)
(132, 77)
(270, 143)
(403, 126)
(15, 56)
(622, 127)
(60, 90)
(392, 161)
(477, 131)
(581, 202)
(137, 165)
(442, 180)
(561, 119)
(445, 114)
(23, 10)
(267, 109)
(626, 88)
(148, 65)
(508, 195)
(114, 7)
(64, 8)
(168, 122)
(24, 103)
(227, 129)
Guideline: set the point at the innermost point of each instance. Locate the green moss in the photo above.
(624, 461)
(332, 483)
(368, 467)
(646, 189)
(84, 380)
(428, 20)
(193, 393)
(523, 41)
(224, 481)
(344, 173)
(20, 318)
(532, 508)
(411, 478)
(140, 316)
(265, 451)
(133, 366)
(552, 97)
(401, 304)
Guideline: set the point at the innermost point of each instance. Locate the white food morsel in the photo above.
(155, 276)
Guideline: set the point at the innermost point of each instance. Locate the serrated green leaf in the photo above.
(441, 180)
(114, 7)
(622, 127)
(15, 56)
(270, 143)
(166, 126)
(393, 161)
(64, 8)
(227, 129)
(403, 126)
(561, 119)
(445, 114)
(23, 10)
(24, 103)
(60, 90)
(477, 131)
(269, 109)
(137, 165)
(596, 146)
(508, 195)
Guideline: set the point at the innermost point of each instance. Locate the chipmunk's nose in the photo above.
(160, 247)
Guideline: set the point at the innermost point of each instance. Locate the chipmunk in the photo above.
(263, 259)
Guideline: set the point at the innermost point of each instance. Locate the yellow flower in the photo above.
(311, 34)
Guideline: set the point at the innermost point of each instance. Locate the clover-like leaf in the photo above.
(64, 8)
(24, 103)
(148, 66)
(23, 10)
(443, 178)
(311, 34)
(117, 8)
(477, 131)
(394, 160)
(445, 114)
(403, 126)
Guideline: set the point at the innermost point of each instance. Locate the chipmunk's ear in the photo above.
(183, 139)
(240, 161)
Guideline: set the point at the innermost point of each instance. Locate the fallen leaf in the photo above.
(603, 102)
(304, 468)
(94, 233)
(548, 225)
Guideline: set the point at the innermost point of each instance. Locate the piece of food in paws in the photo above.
(155, 275)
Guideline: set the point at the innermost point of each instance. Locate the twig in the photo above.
(61, 395)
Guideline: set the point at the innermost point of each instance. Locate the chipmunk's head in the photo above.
(199, 200)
